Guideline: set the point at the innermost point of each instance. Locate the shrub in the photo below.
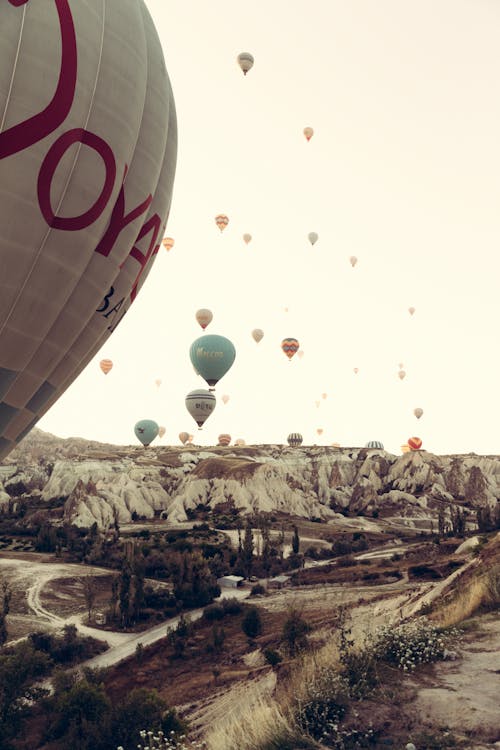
(232, 606)
(213, 612)
(294, 633)
(257, 590)
(324, 703)
(272, 657)
(405, 646)
(252, 623)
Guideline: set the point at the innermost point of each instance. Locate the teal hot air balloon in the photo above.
(211, 357)
(146, 430)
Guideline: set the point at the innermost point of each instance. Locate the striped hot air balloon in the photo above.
(105, 365)
(222, 221)
(224, 439)
(294, 439)
(168, 243)
(183, 437)
(375, 444)
(414, 443)
(290, 347)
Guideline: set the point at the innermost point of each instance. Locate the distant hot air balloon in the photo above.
(375, 444)
(190, 438)
(200, 404)
(105, 365)
(257, 334)
(168, 243)
(401, 374)
(290, 347)
(85, 100)
(245, 61)
(411, 310)
(225, 398)
(204, 317)
(324, 395)
(157, 382)
(222, 221)
(224, 439)
(146, 430)
(212, 356)
(405, 448)
(308, 132)
(418, 412)
(355, 370)
(312, 237)
(353, 260)
(401, 365)
(285, 309)
(183, 437)
(317, 404)
(161, 431)
(335, 445)
(247, 238)
(300, 353)
(239, 442)
(294, 439)
(319, 430)
(414, 443)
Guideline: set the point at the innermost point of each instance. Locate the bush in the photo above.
(272, 657)
(213, 612)
(405, 646)
(252, 623)
(257, 590)
(232, 606)
(323, 705)
(346, 562)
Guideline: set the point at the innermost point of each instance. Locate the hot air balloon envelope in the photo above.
(222, 221)
(418, 412)
(294, 439)
(225, 398)
(106, 365)
(204, 317)
(85, 101)
(414, 443)
(168, 243)
(146, 431)
(183, 437)
(308, 132)
(224, 439)
(247, 237)
(312, 237)
(290, 347)
(212, 356)
(353, 260)
(375, 444)
(200, 404)
(161, 431)
(257, 334)
(245, 61)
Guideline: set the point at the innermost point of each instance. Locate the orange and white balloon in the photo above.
(106, 365)
(224, 439)
(290, 347)
(222, 221)
(308, 132)
(168, 243)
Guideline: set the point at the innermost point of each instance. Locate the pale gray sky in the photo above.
(403, 171)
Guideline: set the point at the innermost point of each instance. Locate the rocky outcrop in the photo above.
(102, 483)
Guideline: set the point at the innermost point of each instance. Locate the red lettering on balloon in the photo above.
(119, 220)
(32, 130)
(49, 166)
(153, 223)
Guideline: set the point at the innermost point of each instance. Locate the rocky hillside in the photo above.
(96, 482)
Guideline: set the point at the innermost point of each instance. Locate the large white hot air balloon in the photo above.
(200, 404)
(88, 147)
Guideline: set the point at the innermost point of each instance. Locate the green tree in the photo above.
(89, 586)
(140, 708)
(251, 623)
(295, 630)
(5, 597)
(295, 541)
(247, 550)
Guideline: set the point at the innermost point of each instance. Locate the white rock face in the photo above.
(98, 482)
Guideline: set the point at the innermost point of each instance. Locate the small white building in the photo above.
(231, 582)
(100, 618)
